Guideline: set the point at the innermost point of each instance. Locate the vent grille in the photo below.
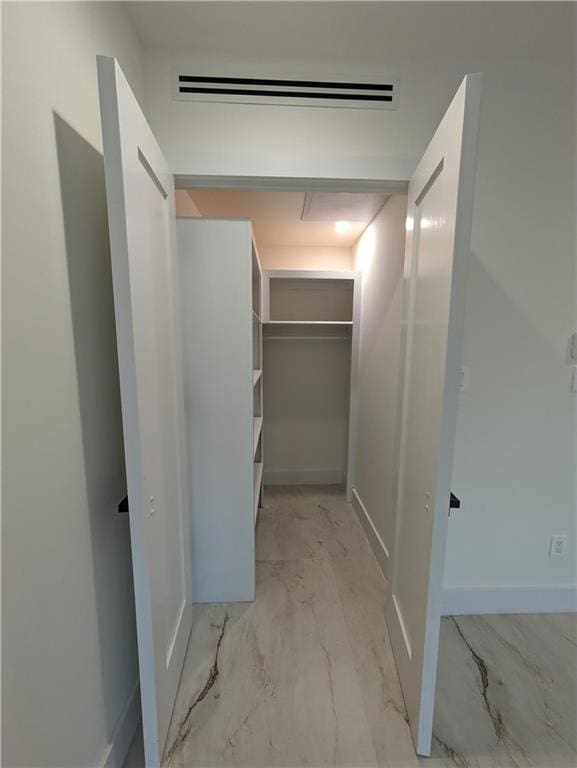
(288, 91)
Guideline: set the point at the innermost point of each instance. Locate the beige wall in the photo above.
(184, 204)
(306, 404)
(302, 257)
(69, 663)
(281, 256)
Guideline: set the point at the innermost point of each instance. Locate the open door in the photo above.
(436, 257)
(140, 192)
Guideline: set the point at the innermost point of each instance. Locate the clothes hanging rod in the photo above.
(308, 338)
(310, 322)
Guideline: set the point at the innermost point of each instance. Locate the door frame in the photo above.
(291, 183)
(283, 183)
(321, 184)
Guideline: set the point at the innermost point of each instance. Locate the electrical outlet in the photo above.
(557, 546)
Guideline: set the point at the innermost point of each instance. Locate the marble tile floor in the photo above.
(305, 676)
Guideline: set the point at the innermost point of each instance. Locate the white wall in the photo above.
(380, 254)
(516, 452)
(515, 456)
(69, 663)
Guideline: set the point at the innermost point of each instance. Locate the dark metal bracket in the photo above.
(454, 502)
(123, 506)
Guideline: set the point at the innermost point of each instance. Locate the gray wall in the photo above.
(69, 659)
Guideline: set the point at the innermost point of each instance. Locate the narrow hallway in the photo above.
(305, 676)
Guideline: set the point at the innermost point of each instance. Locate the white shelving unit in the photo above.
(318, 306)
(258, 475)
(257, 429)
(221, 282)
(257, 313)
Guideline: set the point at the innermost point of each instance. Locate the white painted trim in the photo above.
(117, 750)
(294, 183)
(556, 598)
(304, 477)
(312, 274)
(374, 537)
(354, 387)
(403, 627)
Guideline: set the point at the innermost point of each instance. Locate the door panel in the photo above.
(140, 192)
(437, 250)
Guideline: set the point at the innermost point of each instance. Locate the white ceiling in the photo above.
(276, 216)
(357, 34)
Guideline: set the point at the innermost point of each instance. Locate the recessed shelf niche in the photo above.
(318, 299)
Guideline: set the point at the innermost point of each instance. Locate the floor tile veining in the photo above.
(514, 699)
(305, 676)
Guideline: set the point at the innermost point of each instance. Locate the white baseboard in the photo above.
(377, 544)
(117, 749)
(304, 477)
(557, 598)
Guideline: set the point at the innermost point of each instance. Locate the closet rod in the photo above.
(310, 338)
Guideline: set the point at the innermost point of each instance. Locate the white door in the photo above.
(140, 192)
(437, 252)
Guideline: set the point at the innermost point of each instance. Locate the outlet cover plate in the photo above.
(557, 546)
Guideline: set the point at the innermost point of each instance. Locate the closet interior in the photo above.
(271, 308)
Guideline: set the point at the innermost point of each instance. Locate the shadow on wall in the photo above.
(83, 193)
(519, 388)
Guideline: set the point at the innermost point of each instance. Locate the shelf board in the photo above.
(256, 428)
(309, 322)
(256, 376)
(258, 466)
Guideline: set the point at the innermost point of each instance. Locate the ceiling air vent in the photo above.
(361, 94)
